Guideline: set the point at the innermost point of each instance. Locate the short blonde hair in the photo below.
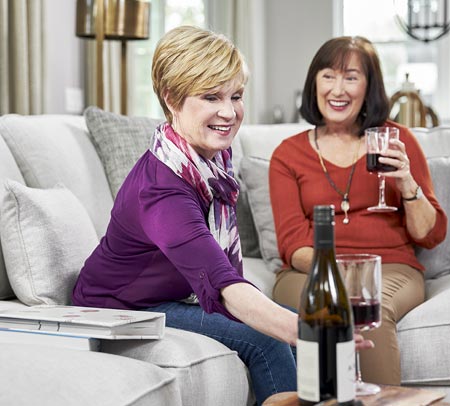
(189, 61)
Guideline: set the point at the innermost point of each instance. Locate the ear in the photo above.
(168, 102)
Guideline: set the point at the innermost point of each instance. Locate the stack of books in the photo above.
(78, 327)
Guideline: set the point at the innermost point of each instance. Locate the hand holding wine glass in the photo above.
(362, 278)
(377, 143)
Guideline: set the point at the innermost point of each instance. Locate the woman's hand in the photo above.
(396, 156)
(361, 343)
(420, 214)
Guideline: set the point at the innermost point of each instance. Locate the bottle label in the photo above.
(308, 371)
(308, 380)
(345, 365)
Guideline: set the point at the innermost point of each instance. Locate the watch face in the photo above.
(419, 193)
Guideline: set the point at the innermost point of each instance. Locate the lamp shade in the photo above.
(123, 19)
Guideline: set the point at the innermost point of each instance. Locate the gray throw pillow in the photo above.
(254, 173)
(46, 236)
(437, 260)
(119, 140)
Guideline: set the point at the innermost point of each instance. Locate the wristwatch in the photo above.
(417, 195)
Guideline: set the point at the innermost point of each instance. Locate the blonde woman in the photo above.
(172, 244)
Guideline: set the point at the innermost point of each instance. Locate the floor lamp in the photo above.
(121, 20)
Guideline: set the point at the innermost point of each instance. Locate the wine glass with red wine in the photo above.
(377, 143)
(362, 278)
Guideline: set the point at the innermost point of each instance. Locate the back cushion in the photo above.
(52, 149)
(437, 260)
(435, 142)
(119, 140)
(258, 141)
(8, 170)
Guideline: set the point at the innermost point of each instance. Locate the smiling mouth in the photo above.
(223, 128)
(338, 103)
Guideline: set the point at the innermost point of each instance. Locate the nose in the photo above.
(226, 110)
(338, 86)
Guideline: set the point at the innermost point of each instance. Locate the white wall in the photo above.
(64, 58)
(295, 31)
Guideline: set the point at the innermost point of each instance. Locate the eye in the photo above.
(210, 97)
(237, 97)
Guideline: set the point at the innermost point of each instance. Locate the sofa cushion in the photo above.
(46, 235)
(40, 375)
(423, 338)
(194, 359)
(255, 174)
(437, 260)
(257, 140)
(8, 170)
(51, 149)
(119, 140)
(435, 141)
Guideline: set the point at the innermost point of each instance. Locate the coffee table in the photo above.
(389, 395)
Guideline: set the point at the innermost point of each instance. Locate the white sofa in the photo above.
(423, 333)
(183, 368)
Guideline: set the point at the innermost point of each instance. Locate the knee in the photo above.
(387, 314)
(266, 347)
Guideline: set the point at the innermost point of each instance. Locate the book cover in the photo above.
(86, 321)
(49, 339)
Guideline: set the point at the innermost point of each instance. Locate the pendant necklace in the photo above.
(345, 203)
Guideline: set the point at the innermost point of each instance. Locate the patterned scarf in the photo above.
(213, 179)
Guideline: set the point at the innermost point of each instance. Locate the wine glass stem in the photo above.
(381, 189)
(358, 368)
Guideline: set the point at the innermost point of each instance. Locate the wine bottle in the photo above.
(325, 345)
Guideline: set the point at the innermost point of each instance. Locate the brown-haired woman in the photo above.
(343, 95)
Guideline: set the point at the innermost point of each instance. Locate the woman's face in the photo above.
(340, 94)
(210, 121)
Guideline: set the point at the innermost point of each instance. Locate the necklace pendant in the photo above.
(345, 206)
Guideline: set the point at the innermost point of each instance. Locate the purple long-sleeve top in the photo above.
(157, 247)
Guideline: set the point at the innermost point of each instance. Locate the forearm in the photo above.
(420, 213)
(253, 308)
(420, 217)
(301, 259)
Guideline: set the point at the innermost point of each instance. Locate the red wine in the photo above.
(325, 346)
(374, 165)
(366, 313)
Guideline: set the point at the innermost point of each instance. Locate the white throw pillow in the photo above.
(255, 175)
(46, 235)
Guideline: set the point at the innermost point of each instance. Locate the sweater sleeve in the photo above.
(421, 173)
(174, 220)
(293, 227)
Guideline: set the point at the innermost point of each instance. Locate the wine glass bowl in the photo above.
(377, 143)
(361, 274)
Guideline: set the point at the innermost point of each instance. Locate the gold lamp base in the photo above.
(121, 20)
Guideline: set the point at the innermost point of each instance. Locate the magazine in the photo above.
(49, 339)
(92, 322)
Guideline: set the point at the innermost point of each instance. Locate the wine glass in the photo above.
(377, 142)
(362, 278)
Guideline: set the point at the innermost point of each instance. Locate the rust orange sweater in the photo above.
(298, 183)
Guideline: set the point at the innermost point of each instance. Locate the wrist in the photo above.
(416, 195)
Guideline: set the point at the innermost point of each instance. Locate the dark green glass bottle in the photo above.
(325, 346)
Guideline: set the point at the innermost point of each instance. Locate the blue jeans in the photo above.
(271, 363)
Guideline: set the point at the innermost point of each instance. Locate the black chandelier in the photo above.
(425, 20)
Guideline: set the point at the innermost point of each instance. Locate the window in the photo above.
(165, 15)
(399, 54)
